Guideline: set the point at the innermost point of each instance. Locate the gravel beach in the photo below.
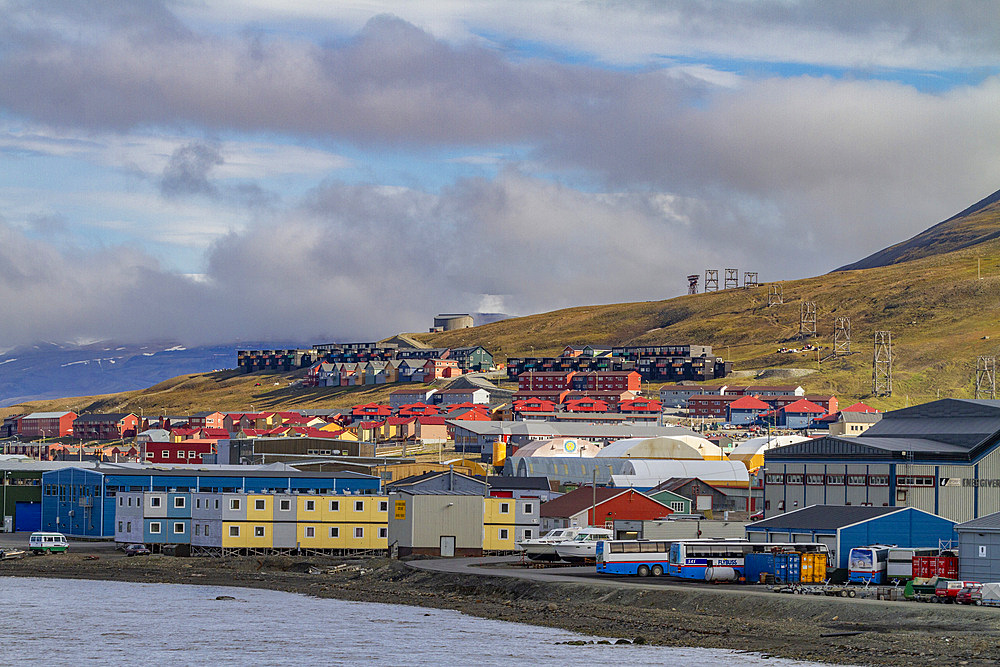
(891, 633)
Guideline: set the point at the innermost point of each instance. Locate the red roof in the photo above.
(431, 420)
(212, 432)
(749, 403)
(804, 405)
(859, 407)
(640, 405)
(371, 409)
(399, 421)
(468, 406)
(369, 425)
(586, 405)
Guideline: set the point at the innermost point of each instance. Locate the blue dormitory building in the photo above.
(80, 502)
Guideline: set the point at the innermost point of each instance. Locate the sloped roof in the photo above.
(823, 517)
(859, 407)
(577, 500)
(804, 405)
(749, 403)
(987, 524)
(104, 417)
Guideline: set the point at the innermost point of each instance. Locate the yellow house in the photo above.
(247, 534)
(498, 524)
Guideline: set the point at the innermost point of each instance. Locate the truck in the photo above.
(989, 595)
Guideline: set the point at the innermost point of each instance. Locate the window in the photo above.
(310, 505)
(900, 495)
(154, 501)
(130, 501)
(678, 506)
(128, 527)
(166, 453)
(285, 505)
(528, 508)
(258, 531)
(878, 480)
(234, 531)
(154, 527)
(121, 502)
(915, 480)
(504, 508)
(815, 480)
(383, 532)
(359, 506)
(234, 503)
(383, 506)
(258, 504)
(774, 478)
(192, 455)
(119, 526)
(197, 503)
(335, 532)
(216, 503)
(857, 480)
(179, 502)
(206, 530)
(197, 529)
(310, 531)
(180, 454)
(503, 534)
(527, 533)
(835, 480)
(793, 478)
(150, 455)
(359, 532)
(178, 528)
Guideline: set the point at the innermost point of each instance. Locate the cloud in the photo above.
(188, 169)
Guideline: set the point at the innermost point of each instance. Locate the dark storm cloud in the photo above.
(188, 170)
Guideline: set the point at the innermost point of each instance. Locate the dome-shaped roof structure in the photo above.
(664, 447)
(560, 447)
(647, 473)
(751, 452)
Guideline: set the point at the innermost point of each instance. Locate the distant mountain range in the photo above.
(52, 370)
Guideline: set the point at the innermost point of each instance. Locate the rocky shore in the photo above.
(811, 628)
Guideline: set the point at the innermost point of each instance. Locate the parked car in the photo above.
(11, 554)
(47, 543)
(968, 594)
(137, 550)
(947, 589)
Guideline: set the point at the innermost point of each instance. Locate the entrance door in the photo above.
(27, 516)
(448, 546)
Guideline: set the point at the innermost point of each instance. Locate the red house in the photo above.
(185, 451)
(576, 508)
(585, 405)
(370, 412)
(712, 406)
(534, 405)
(436, 369)
(112, 426)
(417, 409)
(46, 424)
(641, 405)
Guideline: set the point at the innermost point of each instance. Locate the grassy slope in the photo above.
(940, 314)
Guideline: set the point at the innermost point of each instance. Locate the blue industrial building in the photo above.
(81, 502)
(843, 527)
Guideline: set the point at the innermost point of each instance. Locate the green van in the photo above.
(43, 543)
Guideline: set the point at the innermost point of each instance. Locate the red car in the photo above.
(947, 590)
(968, 594)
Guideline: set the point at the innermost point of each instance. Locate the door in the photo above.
(27, 516)
(448, 546)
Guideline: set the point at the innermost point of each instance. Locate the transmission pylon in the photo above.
(986, 377)
(711, 280)
(882, 364)
(732, 278)
(693, 283)
(807, 319)
(842, 336)
(774, 295)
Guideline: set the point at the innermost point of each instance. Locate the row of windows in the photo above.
(165, 454)
(819, 479)
(284, 504)
(359, 531)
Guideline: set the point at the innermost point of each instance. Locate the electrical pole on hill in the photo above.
(774, 295)
(986, 377)
(882, 364)
(807, 319)
(842, 336)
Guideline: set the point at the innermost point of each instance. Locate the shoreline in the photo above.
(704, 617)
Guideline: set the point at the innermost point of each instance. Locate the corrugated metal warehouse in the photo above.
(942, 457)
(979, 548)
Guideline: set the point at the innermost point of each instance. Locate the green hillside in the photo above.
(942, 305)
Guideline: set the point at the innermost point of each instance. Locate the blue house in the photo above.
(746, 410)
(843, 527)
(81, 502)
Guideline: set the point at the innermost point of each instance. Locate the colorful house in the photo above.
(746, 410)
(587, 506)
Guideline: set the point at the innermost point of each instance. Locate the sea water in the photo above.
(60, 621)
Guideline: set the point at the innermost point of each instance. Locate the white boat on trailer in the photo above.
(544, 548)
(583, 547)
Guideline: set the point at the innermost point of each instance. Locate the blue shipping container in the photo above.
(756, 564)
(787, 568)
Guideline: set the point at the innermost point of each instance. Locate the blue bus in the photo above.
(701, 559)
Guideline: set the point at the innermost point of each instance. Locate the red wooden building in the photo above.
(185, 451)
(113, 426)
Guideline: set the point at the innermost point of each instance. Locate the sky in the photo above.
(213, 171)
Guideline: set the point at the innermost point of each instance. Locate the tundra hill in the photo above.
(941, 314)
(976, 224)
